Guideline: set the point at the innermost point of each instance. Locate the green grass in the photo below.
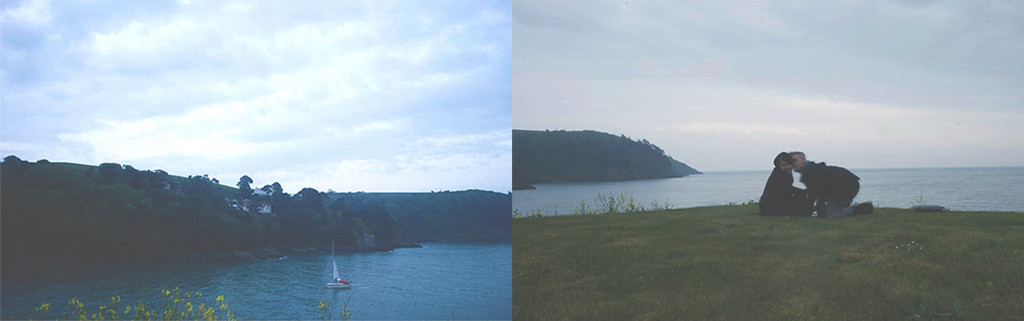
(728, 263)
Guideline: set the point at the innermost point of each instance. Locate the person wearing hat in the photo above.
(780, 197)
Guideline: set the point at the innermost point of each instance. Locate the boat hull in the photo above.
(337, 286)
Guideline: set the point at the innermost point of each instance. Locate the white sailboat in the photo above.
(338, 282)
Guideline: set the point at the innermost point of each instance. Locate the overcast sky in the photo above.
(344, 95)
(726, 85)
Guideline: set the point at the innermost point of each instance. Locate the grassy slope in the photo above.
(727, 263)
(80, 170)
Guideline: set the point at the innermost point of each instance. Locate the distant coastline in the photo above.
(66, 212)
(587, 156)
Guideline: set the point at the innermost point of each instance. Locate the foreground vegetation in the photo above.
(172, 305)
(728, 263)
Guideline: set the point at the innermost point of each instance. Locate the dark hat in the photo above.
(783, 157)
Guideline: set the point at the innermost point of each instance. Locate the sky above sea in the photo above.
(406, 96)
(344, 95)
(726, 85)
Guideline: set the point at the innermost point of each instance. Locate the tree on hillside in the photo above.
(15, 164)
(109, 170)
(243, 185)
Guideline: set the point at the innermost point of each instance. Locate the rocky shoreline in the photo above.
(280, 251)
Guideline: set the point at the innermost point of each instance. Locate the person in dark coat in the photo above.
(780, 197)
(830, 189)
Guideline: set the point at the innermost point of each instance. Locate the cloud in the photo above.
(377, 126)
(141, 38)
(17, 147)
(496, 138)
(737, 128)
(721, 85)
(262, 89)
(33, 12)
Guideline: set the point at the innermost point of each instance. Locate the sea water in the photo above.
(969, 189)
(438, 281)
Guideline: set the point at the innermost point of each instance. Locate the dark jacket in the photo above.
(833, 181)
(781, 198)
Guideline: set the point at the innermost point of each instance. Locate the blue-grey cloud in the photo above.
(724, 85)
(290, 92)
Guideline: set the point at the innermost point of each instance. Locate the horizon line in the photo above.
(882, 168)
(221, 183)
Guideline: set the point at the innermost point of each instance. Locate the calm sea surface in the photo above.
(978, 189)
(438, 281)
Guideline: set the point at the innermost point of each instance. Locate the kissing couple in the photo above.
(830, 189)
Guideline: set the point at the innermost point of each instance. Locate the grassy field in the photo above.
(728, 263)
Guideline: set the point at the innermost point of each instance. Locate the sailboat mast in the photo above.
(335, 264)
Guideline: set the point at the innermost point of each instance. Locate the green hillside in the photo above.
(61, 211)
(580, 156)
(440, 216)
(728, 263)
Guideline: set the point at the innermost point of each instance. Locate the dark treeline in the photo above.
(63, 211)
(438, 216)
(580, 156)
